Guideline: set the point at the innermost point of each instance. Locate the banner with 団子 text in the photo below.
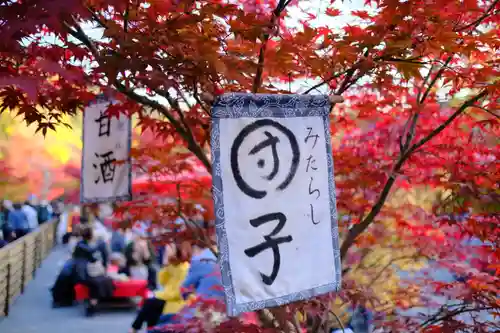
(274, 196)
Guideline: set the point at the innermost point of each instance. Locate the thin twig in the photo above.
(96, 17)
(338, 320)
(477, 22)
(358, 65)
(125, 17)
(402, 145)
(434, 80)
(440, 128)
(192, 225)
(390, 263)
(350, 71)
(486, 110)
(331, 78)
(436, 318)
(192, 144)
(411, 132)
(427, 77)
(198, 100)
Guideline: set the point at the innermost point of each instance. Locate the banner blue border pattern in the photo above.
(240, 105)
(126, 197)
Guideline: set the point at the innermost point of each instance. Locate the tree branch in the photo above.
(198, 100)
(434, 80)
(390, 263)
(412, 121)
(96, 17)
(359, 228)
(79, 34)
(448, 121)
(125, 17)
(448, 315)
(260, 65)
(262, 52)
(180, 126)
(408, 61)
(192, 225)
(477, 22)
(333, 77)
(183, 130)
(403, 145)
(427, 77)
(353, 68)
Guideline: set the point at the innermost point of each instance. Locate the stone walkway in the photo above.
(32, 312)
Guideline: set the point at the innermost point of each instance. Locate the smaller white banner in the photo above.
(106, 170)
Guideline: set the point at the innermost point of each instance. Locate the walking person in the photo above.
(44, 212)
(31, 215)
(3, 222)
(18, 222)
(5, 209)
(3, 242)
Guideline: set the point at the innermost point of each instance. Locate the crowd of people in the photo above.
(18, 219)
(178, 274)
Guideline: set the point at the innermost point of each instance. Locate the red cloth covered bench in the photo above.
(123, 289)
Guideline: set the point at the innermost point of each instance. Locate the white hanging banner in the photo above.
(106, 169)
(274, 196)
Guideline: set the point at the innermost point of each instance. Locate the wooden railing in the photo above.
(20, 260)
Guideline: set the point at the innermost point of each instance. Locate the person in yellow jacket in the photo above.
(170, 278)
(167, 300)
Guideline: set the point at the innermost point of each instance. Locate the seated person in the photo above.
(342, 330)
(361, 320)
(90, 269)
(73, 238)
(117, 242)
(116, 267)
(140, 258)
(203, 281)
(167, 300)
(63, 290)
(2, 241)
(99, 242)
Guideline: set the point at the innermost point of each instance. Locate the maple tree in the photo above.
(420, 80)
(35, 165)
